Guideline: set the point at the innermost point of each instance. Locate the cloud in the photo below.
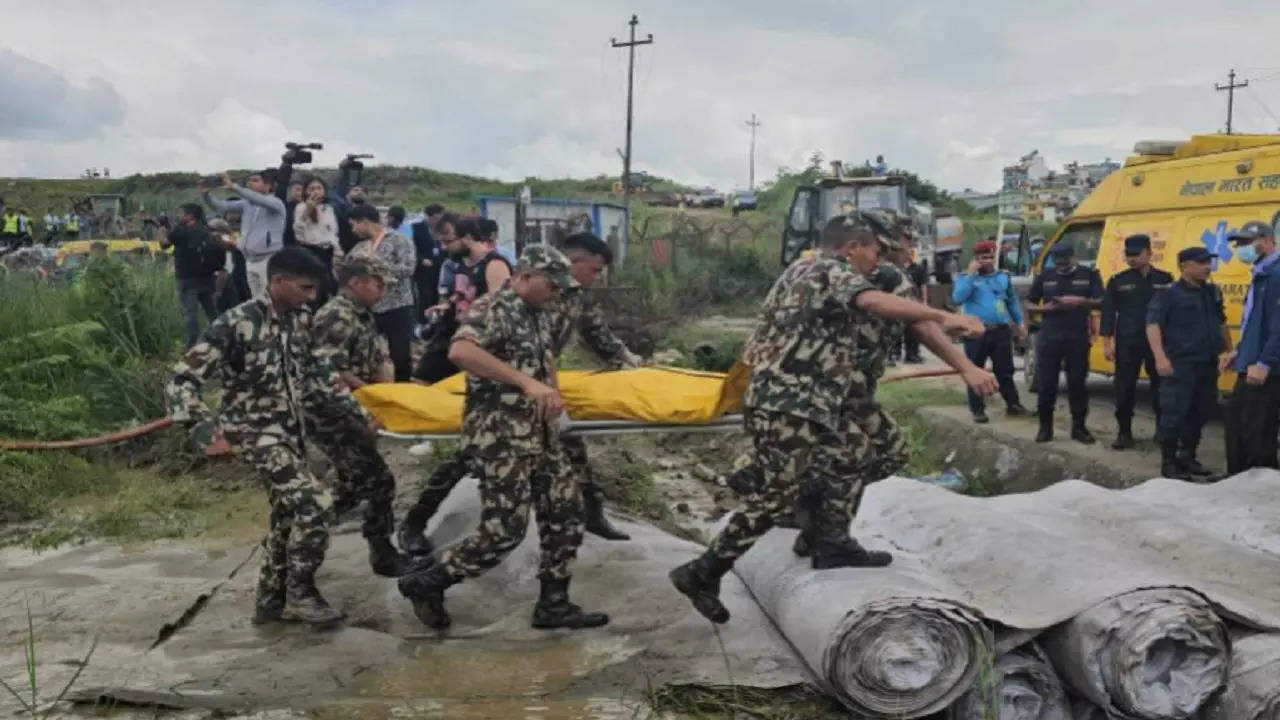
(38, 102)
(511, 89)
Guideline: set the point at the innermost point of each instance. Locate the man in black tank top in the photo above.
(492, 269)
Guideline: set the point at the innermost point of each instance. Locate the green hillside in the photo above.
(413, 187)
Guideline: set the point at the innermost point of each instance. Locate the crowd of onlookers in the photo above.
(441, 261)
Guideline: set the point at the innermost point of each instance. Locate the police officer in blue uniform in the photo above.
(1186, 326)
(1065, 296)
(1124, 331)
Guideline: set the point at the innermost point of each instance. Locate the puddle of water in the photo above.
(465, 669)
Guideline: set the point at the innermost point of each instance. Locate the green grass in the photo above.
(901, 400)
(51, 498)
(734, 703)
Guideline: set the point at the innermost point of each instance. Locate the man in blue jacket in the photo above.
(987, 294)
(1253, 412)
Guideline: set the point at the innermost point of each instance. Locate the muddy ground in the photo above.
(171, 618)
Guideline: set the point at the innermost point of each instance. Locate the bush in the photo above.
(87, 357)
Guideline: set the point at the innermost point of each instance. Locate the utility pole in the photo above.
(1230, 87)
(753, 124)
(631, 72)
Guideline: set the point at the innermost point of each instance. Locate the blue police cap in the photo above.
(1135, 244)
(1195, 254)
(1063, 248)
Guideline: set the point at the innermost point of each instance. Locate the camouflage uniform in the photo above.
(889, 449)
(575, 312)
(265, 364)
(807, 364)
(347, 338)
(519, 455)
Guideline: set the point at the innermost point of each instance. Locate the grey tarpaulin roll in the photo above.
(883, 644)
(1026, 688)
(1155, 654)
(1253, 689)
(1082, 709)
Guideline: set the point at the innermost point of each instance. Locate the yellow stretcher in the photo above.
(640, 400)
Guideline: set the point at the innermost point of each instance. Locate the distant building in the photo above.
(1033, 192)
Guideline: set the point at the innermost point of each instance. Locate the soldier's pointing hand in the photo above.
(966, 325)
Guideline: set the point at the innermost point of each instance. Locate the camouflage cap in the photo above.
(353, 266)
(884, 223)
(546, 259)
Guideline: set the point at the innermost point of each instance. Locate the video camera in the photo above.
(353, 161)
(299, 153)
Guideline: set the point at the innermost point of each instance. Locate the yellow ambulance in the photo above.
(1182, 194)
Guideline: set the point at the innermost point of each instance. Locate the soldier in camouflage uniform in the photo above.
(262, 355)
(506, 345)
(807, 360)
(588, 255)
(348, 339)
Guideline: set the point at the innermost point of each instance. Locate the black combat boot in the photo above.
(1015, 409)
(1124, 439)
(1080, 433)
(1170, 467)
(426, 591)
(597, 523)
(1046, 429)
(306, 602)
(389, 562)
(1187, 460)
(411, 535)
(837, 551)
(700, 580)
(555, 611)
(269, 607)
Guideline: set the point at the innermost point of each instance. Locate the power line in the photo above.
(1258, 99)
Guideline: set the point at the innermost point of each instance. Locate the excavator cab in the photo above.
(813, 205)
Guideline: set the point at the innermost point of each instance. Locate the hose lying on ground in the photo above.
(1253, 688)
(1026, 688)
(1156, 654)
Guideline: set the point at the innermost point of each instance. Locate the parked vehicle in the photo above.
(743, 200)
(1181, 194)
(708, 197)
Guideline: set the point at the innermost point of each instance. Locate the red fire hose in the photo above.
(138, 431)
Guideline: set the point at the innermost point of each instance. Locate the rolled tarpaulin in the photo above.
(1025, 688)
(1253, 688)
(904, 657)
(1156, 654)
(885, 642)
(1082, 709)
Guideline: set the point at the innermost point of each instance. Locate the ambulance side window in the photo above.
(1086, 238)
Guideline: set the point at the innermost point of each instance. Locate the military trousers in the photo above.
(300, 512)
(791, 453)
(511, 485)
(448, 474)
(1186, 401)
(888, 452)
(1132, 355)
(362, 475)
(1054, 352)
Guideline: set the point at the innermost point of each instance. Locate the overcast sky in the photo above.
(950, 90)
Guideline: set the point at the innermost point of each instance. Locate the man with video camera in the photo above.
(288, 190)
(347, 194)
